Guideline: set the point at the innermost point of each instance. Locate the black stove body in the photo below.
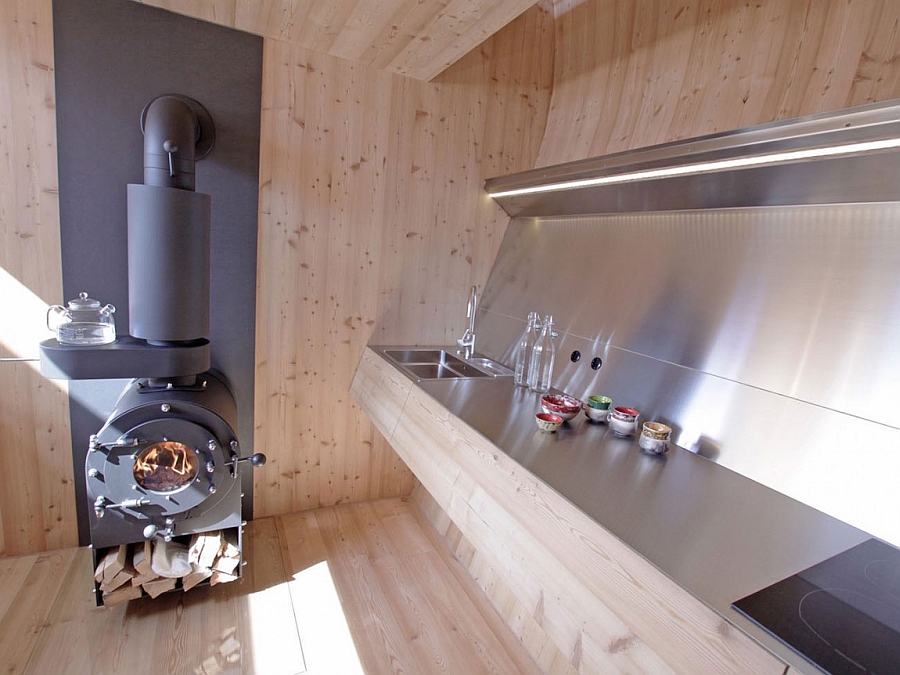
(167, 463)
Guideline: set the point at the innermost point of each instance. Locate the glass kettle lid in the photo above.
(83, 302)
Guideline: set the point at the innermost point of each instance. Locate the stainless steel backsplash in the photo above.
(768, 338)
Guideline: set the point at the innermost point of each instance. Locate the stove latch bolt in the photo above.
(154, 532)
(101, 504)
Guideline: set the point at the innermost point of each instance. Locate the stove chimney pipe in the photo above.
(169, 226)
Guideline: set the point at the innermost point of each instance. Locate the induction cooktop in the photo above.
(843, 614)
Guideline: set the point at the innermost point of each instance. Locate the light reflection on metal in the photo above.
(707, 167)
(847, 156)
(765, 337)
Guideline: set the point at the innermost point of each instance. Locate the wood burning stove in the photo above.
(167, 463)
(166, 466)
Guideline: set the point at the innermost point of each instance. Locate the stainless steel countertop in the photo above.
(717, 534)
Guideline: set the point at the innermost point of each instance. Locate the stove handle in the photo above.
(101, 504)
(257, 460)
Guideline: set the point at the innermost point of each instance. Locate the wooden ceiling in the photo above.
(416, 38)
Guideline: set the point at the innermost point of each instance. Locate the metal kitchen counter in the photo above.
(717, 534)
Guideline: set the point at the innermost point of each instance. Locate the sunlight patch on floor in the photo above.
(271, 623)
(328, 647)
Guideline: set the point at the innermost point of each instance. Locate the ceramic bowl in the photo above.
(620, 428)
(655, 446)
(599, 402)
(624, 414)
(548, 421)
(655, 437)
(595, 414)
(623, 421)
(657, 431)
(560, 404)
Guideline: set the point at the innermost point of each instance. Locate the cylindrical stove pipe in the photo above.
(171, 132)
(169, 226)
(168, 264)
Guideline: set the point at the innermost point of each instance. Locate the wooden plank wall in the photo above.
(372, 225)
(416, 38)
(633, 73)
(37, 499)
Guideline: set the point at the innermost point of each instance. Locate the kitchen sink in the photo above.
(490, 366)
(438, 364)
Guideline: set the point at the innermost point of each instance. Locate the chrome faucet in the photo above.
(466, 343)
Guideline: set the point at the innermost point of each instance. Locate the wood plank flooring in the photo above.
(359, 588)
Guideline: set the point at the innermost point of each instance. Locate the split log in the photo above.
(198, 575)
(155, 567)
(159, 586)
(142, 579)
(123, 594)
(221, 578)
(143, 557)
(111, 564)
(105, 563)
(125, 573)
(120, 579)
(205, 548)
(226, 565)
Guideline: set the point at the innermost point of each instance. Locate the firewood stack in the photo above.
(155, 566)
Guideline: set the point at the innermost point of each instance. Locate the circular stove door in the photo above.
(162, 467)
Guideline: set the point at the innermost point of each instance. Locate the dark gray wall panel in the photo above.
(112, 58)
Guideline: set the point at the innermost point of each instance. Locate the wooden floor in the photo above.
(361, 588)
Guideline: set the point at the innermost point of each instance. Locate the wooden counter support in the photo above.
(579, 599)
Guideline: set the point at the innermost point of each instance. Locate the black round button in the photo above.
(596, 362)
(576, 356)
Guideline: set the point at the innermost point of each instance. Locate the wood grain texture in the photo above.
(409, 606)
(604, 607)
(415, 38)
(246, 626)
(37, 501)
(630, 74)
(372, 223)
(381, 392)
(369, 583)
(373, 226)
(516, 615)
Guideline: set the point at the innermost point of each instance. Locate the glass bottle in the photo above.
(524, 350)
(543, 358)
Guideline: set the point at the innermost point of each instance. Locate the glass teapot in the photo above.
(83, 322)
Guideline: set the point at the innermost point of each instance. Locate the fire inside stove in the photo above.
(166, 466)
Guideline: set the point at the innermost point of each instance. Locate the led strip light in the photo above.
(707, 167)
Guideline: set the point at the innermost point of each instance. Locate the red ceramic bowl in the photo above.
(626, 414)
(548, 421)
(561, 404)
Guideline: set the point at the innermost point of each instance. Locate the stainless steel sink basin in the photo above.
(490, 366)
(430, 363)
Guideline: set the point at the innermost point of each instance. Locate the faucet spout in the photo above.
(466, 343)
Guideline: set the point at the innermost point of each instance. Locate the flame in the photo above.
(165, 466)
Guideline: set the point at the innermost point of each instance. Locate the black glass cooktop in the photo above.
(842, 614)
